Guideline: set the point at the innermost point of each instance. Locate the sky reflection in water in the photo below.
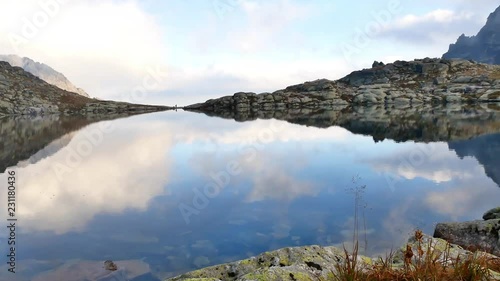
(286, 185)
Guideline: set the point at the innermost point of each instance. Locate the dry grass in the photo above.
(428, 264)
(72, 100)
(349, 270)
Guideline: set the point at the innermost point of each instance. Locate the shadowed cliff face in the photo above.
(484, 47)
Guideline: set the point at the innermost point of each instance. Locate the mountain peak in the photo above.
(495, 16)
(44, 72)
(484, 47)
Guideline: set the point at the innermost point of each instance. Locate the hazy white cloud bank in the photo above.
(436, 28)
(109, 47)
(105, 47)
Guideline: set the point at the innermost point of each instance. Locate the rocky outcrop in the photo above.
(402, 83)
(318, 263)
(484, 47)
(43, 71)
(22, 93)
(492, 214)
(474, 235)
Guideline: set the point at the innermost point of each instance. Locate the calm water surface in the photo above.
(165, 193)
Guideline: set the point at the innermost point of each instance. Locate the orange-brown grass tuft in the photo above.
(349, 270)
(428, 264)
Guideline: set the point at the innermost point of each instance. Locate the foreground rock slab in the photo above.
(319, 263)
(298, 263)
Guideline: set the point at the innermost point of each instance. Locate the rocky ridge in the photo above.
(22, 93)
(400, 84)
(43, 71)
(483, 47)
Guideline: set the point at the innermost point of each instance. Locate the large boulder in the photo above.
(473, 235)
(492, 214)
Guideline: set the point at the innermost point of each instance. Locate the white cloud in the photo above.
(434, 162)
(248, 145)
(435, 29)
(107, 47)
(461, 200)
(104, 47)
(260, 132)
(111, 180)
(272, 183)
(436, 16)
(265, 21)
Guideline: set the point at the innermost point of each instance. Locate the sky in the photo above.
(187, 51)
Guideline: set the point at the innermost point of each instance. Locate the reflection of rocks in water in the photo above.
(49, 150)
(419, 123)
(486, 149)
(22, 137)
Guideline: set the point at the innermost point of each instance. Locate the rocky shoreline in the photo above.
(22, 93)
(451, 241)
(318, 263)
(399, 84)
